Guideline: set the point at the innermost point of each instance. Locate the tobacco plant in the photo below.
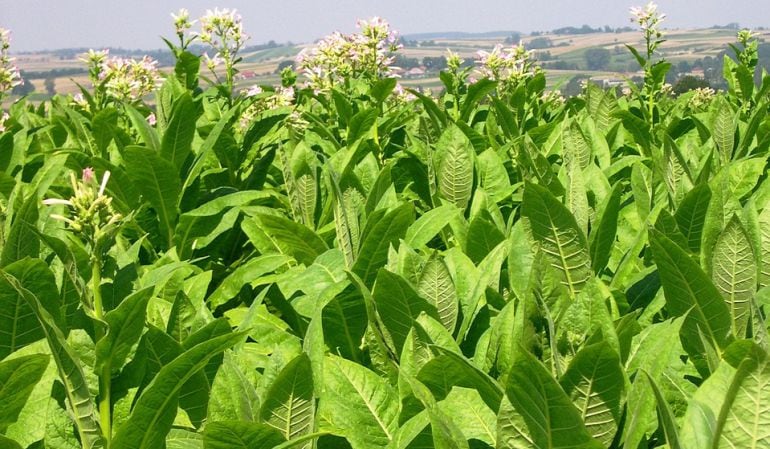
(341, 262)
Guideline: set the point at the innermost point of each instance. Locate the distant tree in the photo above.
(513, 39)
(50, 85)
(574, 86)
(434, 62)
(539, 43)
(24, 88)
(688, 83)
(683, 67)
(286, 63)
(597, 58)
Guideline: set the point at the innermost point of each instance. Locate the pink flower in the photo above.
(88, 174)
(151, 119)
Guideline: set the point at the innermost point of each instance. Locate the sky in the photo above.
(139, 24)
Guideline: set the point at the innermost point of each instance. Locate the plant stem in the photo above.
(105, 415)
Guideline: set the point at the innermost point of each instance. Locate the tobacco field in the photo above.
(343, 262)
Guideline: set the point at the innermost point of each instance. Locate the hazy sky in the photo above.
(49, 24)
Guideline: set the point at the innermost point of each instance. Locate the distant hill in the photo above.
(458, 35)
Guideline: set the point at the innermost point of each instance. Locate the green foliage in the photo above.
(349, 267)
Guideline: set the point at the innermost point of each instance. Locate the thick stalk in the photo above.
(105, 414)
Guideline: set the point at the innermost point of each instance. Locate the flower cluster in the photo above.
(701, 98)
(510, 65)
(265, 101)
(10, 76)
(182, 21)
(93, 217)
(130, 79)
(337, 56)
(223, 31)
(123, 78)
(647, 17)
(95, 61)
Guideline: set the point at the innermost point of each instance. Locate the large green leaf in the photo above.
(436, 285)
(158, 182)
(176, 144)
(668, 421)
(448, 369)
(125, 325)
(723, 130)
(691, 215)
(734, 271)
(154, 411)
(277, 234)
(454, 167)
(380, 233)
(551, 420)
(561, 241)
(602, 237)
(360, 404)
(652, 353)
(595, 383)
(764, 228)
(233, 397)
(22, 240)
(690, 292)
(240, 435)
(18, 324)
(429, 224)
(70, 369)
(18, 377)
(399, 305)
(288, 405)
(730, 408)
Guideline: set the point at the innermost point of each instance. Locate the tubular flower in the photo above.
(182, 21)
(281, 97)
(507, 65)
(10, 76)
(647, 17)
(92, 215)
(129, 79)
(368, 54)
(222, 29)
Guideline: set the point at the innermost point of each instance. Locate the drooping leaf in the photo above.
(448, 369)
(69, 366)
(690, 292)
